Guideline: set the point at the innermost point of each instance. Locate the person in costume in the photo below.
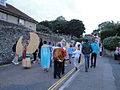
(76, 47)
(45, 56)
(76, 53)
(59, 58)
(29, 48)
(26, 63)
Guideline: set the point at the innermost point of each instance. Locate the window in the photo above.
(3, 16)
(21, 22)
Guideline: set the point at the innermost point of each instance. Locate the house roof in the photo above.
(9, 9)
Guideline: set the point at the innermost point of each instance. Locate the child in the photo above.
(76, 53)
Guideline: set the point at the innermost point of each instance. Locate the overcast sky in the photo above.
(91, 12)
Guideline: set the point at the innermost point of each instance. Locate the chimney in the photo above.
(3, 2)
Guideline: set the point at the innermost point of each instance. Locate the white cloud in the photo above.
(91, 12)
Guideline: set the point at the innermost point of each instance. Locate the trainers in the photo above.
(91, 66)
(66, 65)
(76, 68)
(13, 62)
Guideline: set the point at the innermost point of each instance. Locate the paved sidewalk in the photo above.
(99, 78)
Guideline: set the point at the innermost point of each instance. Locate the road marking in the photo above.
(63, 78)
(67, 83)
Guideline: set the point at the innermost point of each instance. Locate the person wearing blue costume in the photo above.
(45, 56)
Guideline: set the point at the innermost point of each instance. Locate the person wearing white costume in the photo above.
(76, 47)
(76, 53)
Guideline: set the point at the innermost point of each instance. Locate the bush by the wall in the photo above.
(111, 43)
(107, 33)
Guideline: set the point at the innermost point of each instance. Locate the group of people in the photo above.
(87, 49)
(60, 55)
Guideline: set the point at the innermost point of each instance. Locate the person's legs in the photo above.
(55, 69)
(34, 55)
(15, 60)
(79, 59)
(50, 59)
(59, 69)
(88, 56)
(70, 57)
(95, 57)
(76, 63)
(100, 53)
(63, 67)
(91, 60)
(86, 63)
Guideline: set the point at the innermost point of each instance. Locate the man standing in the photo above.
(86, 50)
(94, 54)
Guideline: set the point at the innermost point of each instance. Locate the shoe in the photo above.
(91, 66)
(13, 62)
(63, 73)
(55, 78)
(76, 68)
(59, 76)
(66, 65)
(46, 70)
(86, 70)
(17, 63)
(34, 62)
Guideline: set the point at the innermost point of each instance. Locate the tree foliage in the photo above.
(111, 43)
(74, 27)
(108, 29)
(42, 28)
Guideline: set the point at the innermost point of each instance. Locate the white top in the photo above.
(77, 53)
(76, 46)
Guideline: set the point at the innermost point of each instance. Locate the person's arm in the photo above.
(83, 49)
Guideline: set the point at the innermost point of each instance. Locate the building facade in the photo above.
(11, 14)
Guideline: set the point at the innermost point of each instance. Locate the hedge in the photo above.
(107, 33)
(111, 43)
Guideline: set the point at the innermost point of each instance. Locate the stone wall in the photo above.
(10, 33)
(109, 53)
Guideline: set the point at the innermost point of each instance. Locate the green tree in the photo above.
(111, 43)
(42, 28)
(59, 26)
(75, 28)
(47, 24)
(108, 29)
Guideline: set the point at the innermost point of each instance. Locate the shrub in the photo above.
(111, 43)
(107, 33)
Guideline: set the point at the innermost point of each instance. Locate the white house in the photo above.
(11, 14)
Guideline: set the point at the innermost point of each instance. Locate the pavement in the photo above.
(106, 76)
